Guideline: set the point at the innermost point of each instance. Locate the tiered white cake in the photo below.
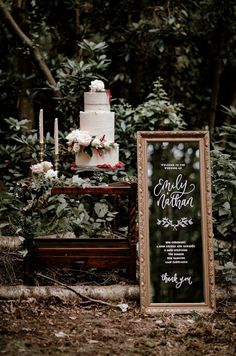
(99, 122)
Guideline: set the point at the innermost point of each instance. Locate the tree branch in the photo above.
(16, 31)
(77, 293)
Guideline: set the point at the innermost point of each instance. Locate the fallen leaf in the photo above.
(60, 334)
(123, 307)
(149, 343)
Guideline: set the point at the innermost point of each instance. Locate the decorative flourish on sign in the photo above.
(183, 222)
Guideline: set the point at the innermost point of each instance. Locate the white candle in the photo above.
(41, 126)
(56, 136)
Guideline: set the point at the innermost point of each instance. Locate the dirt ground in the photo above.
(55, 327)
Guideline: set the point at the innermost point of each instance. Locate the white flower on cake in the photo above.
(82, 141)
(81, 138)
(97, 85)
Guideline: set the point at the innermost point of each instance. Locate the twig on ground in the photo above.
(77, 293)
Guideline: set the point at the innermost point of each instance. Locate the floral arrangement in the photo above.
(44, 168)
(82, 141)
(97, 85)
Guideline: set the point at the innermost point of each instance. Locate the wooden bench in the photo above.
(101, 253)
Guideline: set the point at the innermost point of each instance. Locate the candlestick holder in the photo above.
(41, 153)
(56, 163)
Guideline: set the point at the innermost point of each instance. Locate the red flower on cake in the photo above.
(108, 94)
(109, 166)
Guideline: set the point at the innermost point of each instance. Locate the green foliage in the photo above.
(224, 179)
(20, 151)
(33, 211)
(13, 156)
(75, 76)
(224, 195)
(226, 266)
(228, 272)
(9, 214)
(224, 136)
(180, 41)
(40, 212)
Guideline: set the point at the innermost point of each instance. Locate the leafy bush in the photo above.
(224, 179)
(226, 268)
(36, 212)
(15, 157)
(75, 76)
(21, 150)
(224, 197)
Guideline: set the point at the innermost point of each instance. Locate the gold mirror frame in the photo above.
(207, 303)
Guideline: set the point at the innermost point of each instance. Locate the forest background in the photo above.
(149, 53)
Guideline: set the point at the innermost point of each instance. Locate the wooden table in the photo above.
(101, 253)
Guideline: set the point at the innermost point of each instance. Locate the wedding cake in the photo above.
(93, 143)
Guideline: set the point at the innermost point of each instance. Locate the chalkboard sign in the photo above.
(175, 222)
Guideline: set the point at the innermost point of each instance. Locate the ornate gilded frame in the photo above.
(208, 302)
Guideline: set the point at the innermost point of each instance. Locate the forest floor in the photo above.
(51, 326)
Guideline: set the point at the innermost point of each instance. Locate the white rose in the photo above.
(46, 165)
(76, 147)
(97, 85)
(71, 137)
(83, 138)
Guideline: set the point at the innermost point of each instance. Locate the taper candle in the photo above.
(56, 136)
(41, 126)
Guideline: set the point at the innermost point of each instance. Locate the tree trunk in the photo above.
(9, 243)
(218, 69)
(111, 293)
(215, 92)
(25, 108)
(17, 32)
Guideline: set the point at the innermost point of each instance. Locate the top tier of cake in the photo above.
(96, 101)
